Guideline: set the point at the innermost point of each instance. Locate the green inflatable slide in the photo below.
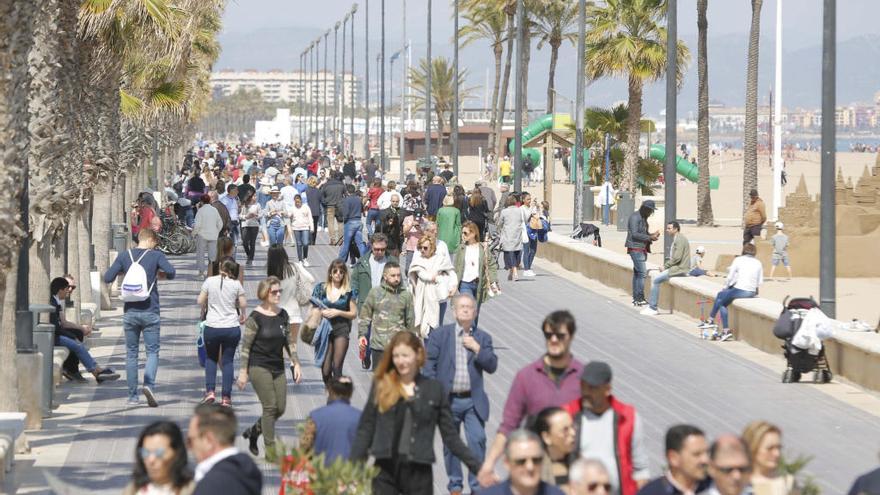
(684, 168)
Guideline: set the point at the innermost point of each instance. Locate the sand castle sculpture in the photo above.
(858, 227)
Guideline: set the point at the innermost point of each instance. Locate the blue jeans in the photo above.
(463, 411)
(189, 217)
(372, 220)
(77, 347)
(135, 323)
(303, 238)
(352, 230)
(661, 278)
(724, 298)
(276, 232)
(443, 304)
(528, 253)
(639, 272)
(220, 344)
(469, 287)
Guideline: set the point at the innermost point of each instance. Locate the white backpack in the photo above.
(134, 283)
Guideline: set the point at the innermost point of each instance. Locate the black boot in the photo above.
(252, 434)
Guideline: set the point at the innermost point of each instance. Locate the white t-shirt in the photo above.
(287, 195)
(746, 273)
(223, 294)
(471, 269)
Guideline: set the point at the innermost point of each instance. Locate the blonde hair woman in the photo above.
(765, 447)
(432, 280)
(339, 308)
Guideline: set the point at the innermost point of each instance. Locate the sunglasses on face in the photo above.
(337, 271)
(424, 248)
(560, 336)
(592, 487)
(275, 292)
(522, 462)
(158, 453)
(730, 469)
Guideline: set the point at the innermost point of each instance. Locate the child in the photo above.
(697, 269)
(780, 251)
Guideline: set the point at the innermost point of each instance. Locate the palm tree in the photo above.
(704, 198)
(442, 90)
(625, 38)
(556, 22)
(485, 21)
(750, 139)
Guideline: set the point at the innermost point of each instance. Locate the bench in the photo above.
(11, 427)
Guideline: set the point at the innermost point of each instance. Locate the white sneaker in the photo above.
(649, 312)
(528, 273)
(726, 335)
(705, 324)
(305, 262)
(264, 243)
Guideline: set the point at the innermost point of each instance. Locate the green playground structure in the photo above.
(686, 169)
(543, 124)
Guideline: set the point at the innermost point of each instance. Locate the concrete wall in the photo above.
(853, 355)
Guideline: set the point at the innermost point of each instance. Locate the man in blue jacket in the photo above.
(457, 357)
(638, 245)
(330, 430)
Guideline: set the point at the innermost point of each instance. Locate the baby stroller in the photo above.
(799, 360)
(585, 230)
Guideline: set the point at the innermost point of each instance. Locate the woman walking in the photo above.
(338, 306)
(275, 215)
(225, 251)
(206, 229)
(161, 465)
(433, 280)
(764, 441)
(267, 333)
(250, 227)
(301, 222)
(373, 194)
(397, 425)
(510, 229)
(223, 297)
(449, 224)
(476, 266)
(313, 199)
(478, 212)
(296, 285)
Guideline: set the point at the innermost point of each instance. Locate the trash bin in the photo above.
(587, 212)
(120, 236)
(626, 205)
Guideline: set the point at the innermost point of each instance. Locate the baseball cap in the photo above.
(753, 193)
(596, 373)
(649, 203)
(701, 249)
(779, 226)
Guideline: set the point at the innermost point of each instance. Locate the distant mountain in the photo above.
(858, 76)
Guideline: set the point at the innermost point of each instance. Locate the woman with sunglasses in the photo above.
(475, 265)
(556, 429)
(398, 422)
(433, 280)
(160, 462)
(266, 337)
(223, 300)
(339, 308)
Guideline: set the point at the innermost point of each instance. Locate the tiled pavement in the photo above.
(668, 374)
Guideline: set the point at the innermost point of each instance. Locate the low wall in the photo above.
(855, 356)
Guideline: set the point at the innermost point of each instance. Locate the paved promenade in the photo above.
(666, 372)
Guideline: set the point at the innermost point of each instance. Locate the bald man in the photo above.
(729, 466)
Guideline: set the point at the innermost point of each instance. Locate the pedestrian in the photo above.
(221, 467)
(505, 170)
(412, 199)
(302, 223)
(332, 194)
(373, 194)
(477, 267)
(764, 441)
(449, 223)
(72, 339)
(529, 244)
(266, 336)
(250, 227)
(754, 217)
(638, 245)
(338, 306)
(142, 317)
(230, 201)
(412, 232)
(677, 265)
(352, 211)
(687, 460)
(435, 193)
(510, 229)
(555, 427)
(745, 276)
(296, 286)
(225, 251)
(609, 430)
(206, 230)
(488, 195)
(403, 410)
(589, 477)
(780, 251)
(221, 210)
(161, 465)
(275, 213)
(388, 311)
(384, 200)
(552, 380)
(433, 281)
(866, 484)
(330, 430)
(223, 302)
(313, 200)
(143, 215)
(523, 458)
(457, 356)
(390, 224)
(697, 260)
(729, 466)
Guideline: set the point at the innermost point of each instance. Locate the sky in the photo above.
(802, 28)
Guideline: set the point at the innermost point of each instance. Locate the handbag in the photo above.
(200, 344)
(490, 291)
(535, 222)
(312, 322)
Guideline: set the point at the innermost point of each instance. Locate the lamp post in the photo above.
(428, 94)
(827, 216)
(336, 82)
(302, 96)
(403, 101)
(311, 89)
(669, 183)
(577, 158)
(324, 99)
(455, 109)
(354, 9)
(342, 91)
(367, 78)
(518, 94)
(317, 102)
(777, 121)
(382, 90)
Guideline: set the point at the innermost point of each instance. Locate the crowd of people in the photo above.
(406, 257)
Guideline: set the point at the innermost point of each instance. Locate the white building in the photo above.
(278, 86)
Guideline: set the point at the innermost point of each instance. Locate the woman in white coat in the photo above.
(433, 281)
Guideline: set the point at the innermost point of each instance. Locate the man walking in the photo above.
(221, 467)
(142, 317)
(609, 430)
(638, 245)
(230, 201)
(386, 310)
(524, 459)
(754, 217)
(434, 195)
(330, 430)
(687, 458)
(729, 466)
(352, 209)
(332, 194)
(368, 275)
(457, 356)
(678, 265)
(552, 380)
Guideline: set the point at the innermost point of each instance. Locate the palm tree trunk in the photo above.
(704, 198)
(57, 256)
(750, 139)
(493, 136)
(73, 268)
(38, 271)
(8, 345)
(85, 261)
(633, 133)
(551, 81)
(101, 237)
(505, 83)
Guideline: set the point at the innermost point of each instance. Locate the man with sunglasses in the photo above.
(523, 458)
(367, 275)
(609, 430)
(729, 466)
(551, 381)
(588, 477)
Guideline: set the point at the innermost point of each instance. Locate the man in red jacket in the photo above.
(609, 430)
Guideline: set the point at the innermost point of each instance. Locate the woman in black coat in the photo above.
(478, 212)
(399, 419)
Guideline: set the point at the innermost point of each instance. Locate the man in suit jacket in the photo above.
(457, 357)
(221, 468)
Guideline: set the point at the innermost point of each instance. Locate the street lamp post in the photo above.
(317, 101)
(311, 89)
(455, 109)
(302, 96)
(669, 182)
(336, 82)
(428, 94)
(827, 216)
(382, 91)
(403, 99)
(324, 99)
(354, 9)
(367, 78)
(577, 158)
(518, 94)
